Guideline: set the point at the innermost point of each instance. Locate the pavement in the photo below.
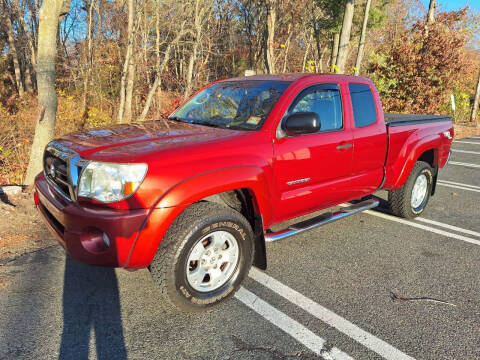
(371, 286)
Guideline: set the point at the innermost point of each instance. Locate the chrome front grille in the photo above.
(62, 168)
(56, 171)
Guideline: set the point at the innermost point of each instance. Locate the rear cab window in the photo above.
(363, 105)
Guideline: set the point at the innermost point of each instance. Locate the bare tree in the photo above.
(200, 14)
(7, 15)
(333, 59)
(88, 62)
(160, 67)
(361, 44)
(270, 35)
(49, 15)
(343, 46)
(476, 100)
(287, 47)
(430, 16)
(127, 66)
(308, 41)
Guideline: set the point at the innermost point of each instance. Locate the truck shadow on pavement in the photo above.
(91, 308)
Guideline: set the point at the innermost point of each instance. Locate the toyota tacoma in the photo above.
(193, 197)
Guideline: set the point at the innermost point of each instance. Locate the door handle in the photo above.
(344, 146)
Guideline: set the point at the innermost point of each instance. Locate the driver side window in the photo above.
(323, 99)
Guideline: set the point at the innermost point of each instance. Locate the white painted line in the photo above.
(463, 164)
(466, 151)
(424, 227)
(457, 187)
(467, 142)
(361, 336)
(460, 184)
(474, 137)
(290, 326)
(451, 227)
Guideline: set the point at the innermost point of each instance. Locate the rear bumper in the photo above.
(84, 232)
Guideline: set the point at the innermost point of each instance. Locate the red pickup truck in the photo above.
(193, 197)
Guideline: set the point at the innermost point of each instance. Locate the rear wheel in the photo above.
(203, 258)
(411, 199)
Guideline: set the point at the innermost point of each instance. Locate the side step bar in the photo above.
(320, 220)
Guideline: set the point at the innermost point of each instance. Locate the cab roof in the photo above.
(293, 77)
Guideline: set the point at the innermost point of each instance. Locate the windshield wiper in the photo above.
(176, 118)
(207, 123)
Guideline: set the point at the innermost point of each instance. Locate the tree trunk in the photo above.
(13, 50)
(476, 100)
(29, 54)
(305, 55)
(430, 16)
(191, 62)
(361, 44)
(129, 88)
(345, 36)
(199, 13)
(270, 35)
(333, 59)
(286, 47)
(431, 12)
(88, 63)
(47, 96)
(126, 64)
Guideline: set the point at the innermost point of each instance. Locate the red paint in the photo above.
(187, 163)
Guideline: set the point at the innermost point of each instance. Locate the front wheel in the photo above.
(203, 258)
(411, 199)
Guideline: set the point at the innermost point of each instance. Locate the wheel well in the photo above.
(243, 201)
(429, 157)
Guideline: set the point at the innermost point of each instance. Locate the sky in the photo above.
(455, 4)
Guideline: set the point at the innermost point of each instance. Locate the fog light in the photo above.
(94, 240)
(106, 240)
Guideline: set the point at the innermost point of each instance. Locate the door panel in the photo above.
(312, 171)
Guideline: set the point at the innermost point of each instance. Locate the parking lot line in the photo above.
(467, 142)
(466, 151)
(290, 326)
(329, 317)
(460, 184)
(457, 187)
(463, 164)
(424, 227)
(451, 227)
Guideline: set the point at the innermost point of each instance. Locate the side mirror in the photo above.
(302, 123)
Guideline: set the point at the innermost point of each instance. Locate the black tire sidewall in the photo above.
(423, 169)
(182, 290)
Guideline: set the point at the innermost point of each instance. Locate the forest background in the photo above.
(118, 61)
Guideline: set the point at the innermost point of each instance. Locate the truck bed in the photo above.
(392, 119)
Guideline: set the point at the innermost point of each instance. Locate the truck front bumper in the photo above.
(93, 235)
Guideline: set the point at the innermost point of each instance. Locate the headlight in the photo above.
(109, 182)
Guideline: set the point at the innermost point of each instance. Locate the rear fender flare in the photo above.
(412, 156)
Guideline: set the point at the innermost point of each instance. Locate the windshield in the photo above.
(236, 105)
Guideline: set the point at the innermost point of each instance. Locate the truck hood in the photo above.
(142, 138)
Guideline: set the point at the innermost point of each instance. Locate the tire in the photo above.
(203, 231)
(400, 200)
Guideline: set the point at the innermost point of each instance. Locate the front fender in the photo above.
(210, 183)
(177, 198)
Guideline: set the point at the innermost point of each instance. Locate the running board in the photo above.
(320, 220)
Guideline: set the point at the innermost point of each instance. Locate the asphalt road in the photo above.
(327, 293)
